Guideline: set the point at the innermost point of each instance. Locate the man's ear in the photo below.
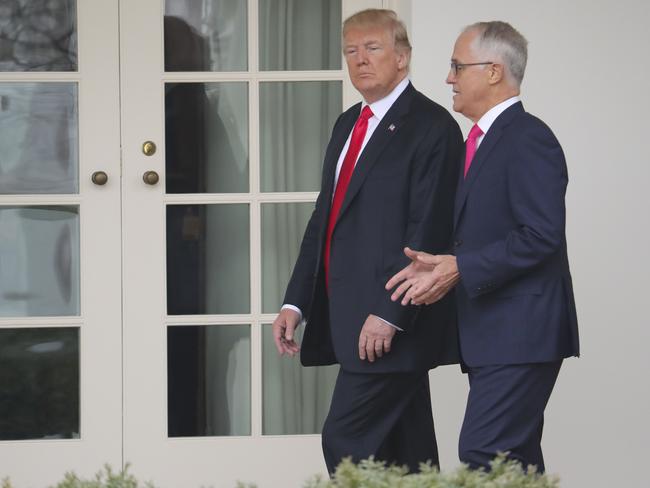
(402, 59)
(495, 73)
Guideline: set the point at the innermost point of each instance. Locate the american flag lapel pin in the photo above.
(391, 127)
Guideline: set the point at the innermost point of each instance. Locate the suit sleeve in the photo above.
(433, 180)
(302, 281)
(537, 180)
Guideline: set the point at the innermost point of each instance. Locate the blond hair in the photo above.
(386, 19)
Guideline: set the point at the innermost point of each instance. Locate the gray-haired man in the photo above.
(516, 313)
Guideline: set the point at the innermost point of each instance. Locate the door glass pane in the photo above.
(206, 137)
(208, 259)
(209, 380)
(283, 225)
(39, 261)
(38, 35)
(38, 138)
(39, 383)
(304, 35)
(296, 120)
(295, 399)
(208, 35)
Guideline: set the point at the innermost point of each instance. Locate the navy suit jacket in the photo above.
(401, 193)
(515, 298)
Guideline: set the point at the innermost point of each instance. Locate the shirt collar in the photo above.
(491, 115)
(380, 107)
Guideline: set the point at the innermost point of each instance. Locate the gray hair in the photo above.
(505, 43)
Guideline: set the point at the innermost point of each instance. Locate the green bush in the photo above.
(374, 474)
(104, 479)
(367, 474)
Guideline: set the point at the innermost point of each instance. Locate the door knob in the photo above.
(149, 148)
(99, 178)
(150, 177)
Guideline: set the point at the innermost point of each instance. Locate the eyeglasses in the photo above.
(458, 67)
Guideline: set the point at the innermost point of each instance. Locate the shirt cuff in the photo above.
(295, 309)
(392, 325)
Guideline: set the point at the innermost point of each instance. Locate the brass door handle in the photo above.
(99, 178)
(149, 148)
(150, 177)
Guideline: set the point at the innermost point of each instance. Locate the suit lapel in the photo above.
(387, 128)
(334, 151)
(481, 157)
(334, 148)
(339, 135)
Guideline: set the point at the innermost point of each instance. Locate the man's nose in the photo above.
(451, 77)
(361, 57)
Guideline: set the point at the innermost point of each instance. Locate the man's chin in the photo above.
(363, 84)
(366, 90)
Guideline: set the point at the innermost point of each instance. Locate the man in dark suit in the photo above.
(516, 313)
(388, 180)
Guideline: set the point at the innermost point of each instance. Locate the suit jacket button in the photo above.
(458, 243)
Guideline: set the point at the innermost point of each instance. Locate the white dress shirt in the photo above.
(379, 109)
(491, 115)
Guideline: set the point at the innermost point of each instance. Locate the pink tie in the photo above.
(358, 134)
(470, 146)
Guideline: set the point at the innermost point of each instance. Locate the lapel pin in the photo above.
(391, 127)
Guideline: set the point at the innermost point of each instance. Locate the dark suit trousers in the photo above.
(505, 413)
(387, 416)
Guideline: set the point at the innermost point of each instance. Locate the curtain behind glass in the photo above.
(38, 138)
(300, 35)
(295, 399)
(296, 120)
(206, 35)
(39, 261)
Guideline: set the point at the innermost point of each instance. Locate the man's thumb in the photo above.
(410, 253)
(288, 332)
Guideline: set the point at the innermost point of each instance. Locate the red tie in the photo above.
(358, 134)
(470, 146)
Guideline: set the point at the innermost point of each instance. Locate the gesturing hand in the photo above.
(284, 327)
(375, 338)
(417, 273)
(426, 279)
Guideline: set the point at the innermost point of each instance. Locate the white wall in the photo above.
(588, 77)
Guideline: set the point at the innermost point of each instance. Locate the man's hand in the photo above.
(375, 338)
(426, 279)
(284, 327)
(444, 277)
(418, 272)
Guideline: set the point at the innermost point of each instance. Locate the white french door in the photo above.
(60, 240)
(239, 99)
(134, 315)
